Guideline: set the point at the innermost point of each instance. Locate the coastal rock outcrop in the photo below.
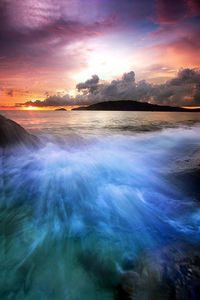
(170, 274)
(12, 133)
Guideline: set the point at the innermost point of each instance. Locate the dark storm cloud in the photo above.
(91, 84)
(129, 77)
(124, 89)
(93, 91)
(117, 89)
(182, 90)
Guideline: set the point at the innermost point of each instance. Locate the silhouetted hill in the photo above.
(128, 105)
(60, 109)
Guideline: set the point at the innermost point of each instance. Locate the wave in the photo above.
(74, 201)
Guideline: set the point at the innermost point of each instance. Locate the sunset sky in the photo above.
(76, 51)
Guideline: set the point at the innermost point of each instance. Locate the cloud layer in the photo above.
(170, 12)
(183, 90)
(51, 45)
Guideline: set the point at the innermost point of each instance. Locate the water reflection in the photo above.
(100, 122)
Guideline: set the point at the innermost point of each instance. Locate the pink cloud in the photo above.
(182, 52)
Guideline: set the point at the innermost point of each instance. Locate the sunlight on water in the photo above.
(73, 212)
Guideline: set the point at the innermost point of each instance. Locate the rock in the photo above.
(12, 133)
(166, 275)
(128, 286)
(60, 109)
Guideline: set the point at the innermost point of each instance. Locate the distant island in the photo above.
(129, 105)
(60, 109)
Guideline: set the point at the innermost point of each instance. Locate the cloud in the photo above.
(181, 90)
(45, 37)
(91, 84)
(180, 52)
(93, 91)
(26, 24)
(54, 100)
(116, 90)
(171, 12)
(43, 42)
(129, 77)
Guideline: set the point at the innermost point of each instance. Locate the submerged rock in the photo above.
(12, 133)
(171, 275)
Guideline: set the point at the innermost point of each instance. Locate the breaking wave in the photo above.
(73, 210)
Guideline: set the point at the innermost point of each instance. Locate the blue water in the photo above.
(99, 188)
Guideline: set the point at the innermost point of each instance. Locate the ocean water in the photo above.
(102, 192)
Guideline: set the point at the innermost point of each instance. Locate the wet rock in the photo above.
(183, 278)
(163, 276)
(12, 133)
(128, 286)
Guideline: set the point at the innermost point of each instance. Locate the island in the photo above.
(60, 109)
(129, 105)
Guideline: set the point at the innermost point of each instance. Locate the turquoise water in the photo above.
(97, 192)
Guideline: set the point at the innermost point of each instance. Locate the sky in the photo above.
(78, 52)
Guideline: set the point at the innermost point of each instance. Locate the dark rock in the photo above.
(128, 286)
(188, 182)
(12, 133)
(166, 275)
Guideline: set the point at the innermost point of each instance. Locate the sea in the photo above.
(103, 208)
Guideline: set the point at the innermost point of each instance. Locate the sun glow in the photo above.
(192, 107)
(72, 93)
(31, 108)
(105, 64)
